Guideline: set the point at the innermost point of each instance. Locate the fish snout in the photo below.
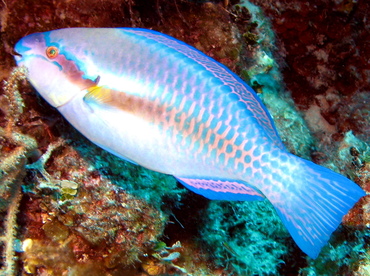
(15, 53)
(17, 56)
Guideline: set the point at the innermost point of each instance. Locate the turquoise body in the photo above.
(164, 105)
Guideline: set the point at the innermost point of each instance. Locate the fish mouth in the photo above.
(16, 54)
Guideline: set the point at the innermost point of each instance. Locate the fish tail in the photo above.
(313, 202)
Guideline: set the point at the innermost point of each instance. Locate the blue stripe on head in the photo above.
(53, 38)
(48, 39)
(20, 48)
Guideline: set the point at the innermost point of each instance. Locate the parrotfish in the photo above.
(162, 104)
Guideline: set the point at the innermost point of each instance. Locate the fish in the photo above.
(159, 103)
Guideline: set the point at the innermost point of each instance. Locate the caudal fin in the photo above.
(315, 204)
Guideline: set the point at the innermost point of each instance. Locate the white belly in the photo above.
(133, 138)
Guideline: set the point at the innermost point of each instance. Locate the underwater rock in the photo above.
(326, 58)
(100, 224)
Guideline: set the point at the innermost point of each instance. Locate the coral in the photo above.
(343, 256)
(14, 150)
(155, 188)
(353, 160)
(333, 60)
(352, 153)
(9, 238)
(247, 238)
(296, 134)
(325, 70)
(165, 256)
(116, 234)
(364, 265)
(289, 122)
(261, 71)
(111, 233)
(14, 145)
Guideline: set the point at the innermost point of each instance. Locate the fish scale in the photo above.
(211, 131)
(220, 75)
(160, 103)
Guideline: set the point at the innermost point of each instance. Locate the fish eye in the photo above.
(52, 52)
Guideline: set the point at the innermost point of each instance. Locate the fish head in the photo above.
(54, 67)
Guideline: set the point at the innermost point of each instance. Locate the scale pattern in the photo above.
(213, 132)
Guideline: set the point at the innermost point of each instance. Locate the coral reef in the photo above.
(100, 215)
(14, 150)
(326, 70)
(247, 238)
(83, 220)
(345, 255)
(9, 237)
(155, 188)
(348, 248)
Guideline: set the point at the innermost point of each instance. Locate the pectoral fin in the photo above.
(99, 95)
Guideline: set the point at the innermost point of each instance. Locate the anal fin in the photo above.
(219, 189)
